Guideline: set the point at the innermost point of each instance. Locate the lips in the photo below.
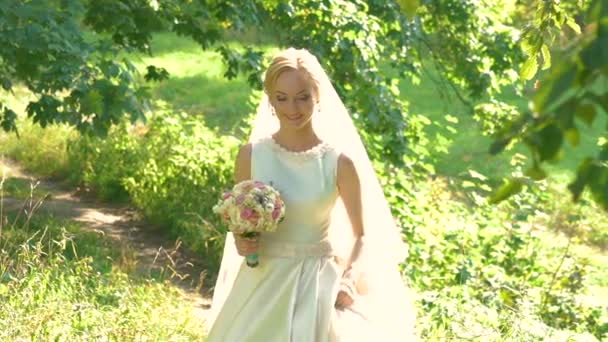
(294, 118)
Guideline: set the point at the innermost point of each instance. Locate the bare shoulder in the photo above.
(242, 169)
(345, 163)
(347, 172)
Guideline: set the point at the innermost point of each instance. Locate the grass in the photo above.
(197, 85)
(58, 282)
(468, 147)
(41, 151)
(21, 188)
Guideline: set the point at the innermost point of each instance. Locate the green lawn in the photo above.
(20, 188)
(469, 147)
(197, 85)
(60, 283)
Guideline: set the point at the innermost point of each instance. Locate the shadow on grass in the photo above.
(21, 188)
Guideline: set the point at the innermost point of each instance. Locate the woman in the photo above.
(330, 270)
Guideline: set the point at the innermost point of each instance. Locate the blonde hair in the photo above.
(293, 60)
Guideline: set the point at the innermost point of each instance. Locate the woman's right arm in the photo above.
(242, 172)
(242, 169)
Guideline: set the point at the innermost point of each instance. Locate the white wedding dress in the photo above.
(290, 296)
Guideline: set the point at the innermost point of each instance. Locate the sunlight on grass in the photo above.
(467, 146)
(60, 283)
(40, 150)
(197, 84)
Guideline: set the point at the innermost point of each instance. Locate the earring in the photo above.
(273, 111)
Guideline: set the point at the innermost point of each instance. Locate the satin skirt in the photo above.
(289, 299)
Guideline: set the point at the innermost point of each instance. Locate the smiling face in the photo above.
(293, 98)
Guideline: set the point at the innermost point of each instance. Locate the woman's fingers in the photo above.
(246, 246)
(344, 300)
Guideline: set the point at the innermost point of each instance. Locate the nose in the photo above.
(292, 107)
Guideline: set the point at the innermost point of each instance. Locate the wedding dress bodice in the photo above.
(307, 183)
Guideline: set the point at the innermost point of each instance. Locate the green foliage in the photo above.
(351, 38)
(173, 169)
(583, 221)
(478, 274)
(537, 39)
(493, 115)
(80, 77)
(182, 172)
(102, 164)
(59, 283)
(474, 45)
(572, 93)
(78, 80)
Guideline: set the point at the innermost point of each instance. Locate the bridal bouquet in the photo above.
(251, 207)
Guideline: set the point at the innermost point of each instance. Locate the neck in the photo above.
(297, 140)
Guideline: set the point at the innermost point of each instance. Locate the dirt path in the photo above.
(146, 246)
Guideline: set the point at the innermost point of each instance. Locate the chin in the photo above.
(298, 124)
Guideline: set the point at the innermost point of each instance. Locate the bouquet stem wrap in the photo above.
(252, 259)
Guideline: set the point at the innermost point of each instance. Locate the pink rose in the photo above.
(260, 185)
(226, 195)
(240, 199)
(250, 215)
(246, 213)
(276, 213)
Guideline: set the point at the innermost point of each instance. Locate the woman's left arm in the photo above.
(349, 187)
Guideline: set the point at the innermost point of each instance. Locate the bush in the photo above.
(174, 169)
(102, 164)
(184, 167)
(481, 271)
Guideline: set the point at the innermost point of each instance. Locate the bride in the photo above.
(330, 271)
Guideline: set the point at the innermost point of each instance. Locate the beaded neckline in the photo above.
(315, 151)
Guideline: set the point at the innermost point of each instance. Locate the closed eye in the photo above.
(301, 98)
